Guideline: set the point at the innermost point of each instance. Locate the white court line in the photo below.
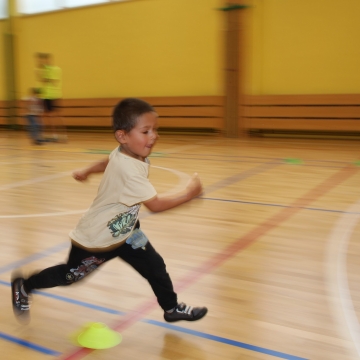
(338, 285)
(60, 213)
(41, 178)
(34, 180)
(185, 147)
(40, 161)
(183, 179)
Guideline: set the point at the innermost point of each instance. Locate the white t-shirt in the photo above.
(113, 213)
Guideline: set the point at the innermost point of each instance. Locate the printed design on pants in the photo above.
(17, 297)
(123, 223)
(88, 265)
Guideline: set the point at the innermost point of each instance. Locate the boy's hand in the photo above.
(80, 175)
(194, 186)
(162, 203)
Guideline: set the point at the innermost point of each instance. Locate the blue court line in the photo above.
(151, 322)
(80, 303)
(72, 301)
(19, 263)
(279, 205)
(265, 158)
(34, 257)
(224, 340)
(243, 202)
(218, 185)
(242, 176)
(220, 160)
(256, 162)
(29, 345)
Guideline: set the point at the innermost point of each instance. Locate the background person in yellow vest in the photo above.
(51, 95)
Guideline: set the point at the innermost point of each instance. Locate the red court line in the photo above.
(241, 243)
(268, 225)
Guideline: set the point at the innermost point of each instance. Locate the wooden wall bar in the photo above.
(3, 112)
(303, 112)
(338, 113)
(203, 112)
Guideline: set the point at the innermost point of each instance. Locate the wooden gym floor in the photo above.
(271, 248)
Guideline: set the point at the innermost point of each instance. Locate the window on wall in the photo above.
(38, 6)
(3, 9)
(74, 3)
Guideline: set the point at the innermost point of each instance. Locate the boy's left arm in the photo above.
(83, 174)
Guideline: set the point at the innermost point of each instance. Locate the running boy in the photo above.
(110, 228)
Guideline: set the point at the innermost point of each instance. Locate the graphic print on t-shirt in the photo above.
(123, 223)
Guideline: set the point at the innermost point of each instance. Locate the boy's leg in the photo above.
(80, 264)
(151, 266)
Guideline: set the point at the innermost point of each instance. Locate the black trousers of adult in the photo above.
(146, 261)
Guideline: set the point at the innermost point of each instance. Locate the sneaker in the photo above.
(184, 312)
(20, 302)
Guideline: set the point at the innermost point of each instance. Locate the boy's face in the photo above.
(138, 142)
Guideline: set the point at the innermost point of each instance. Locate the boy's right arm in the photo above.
(192, 190)
(83, 174)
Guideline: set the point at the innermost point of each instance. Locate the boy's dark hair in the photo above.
(127, 111)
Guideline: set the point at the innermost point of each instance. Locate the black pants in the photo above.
(146, 262)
